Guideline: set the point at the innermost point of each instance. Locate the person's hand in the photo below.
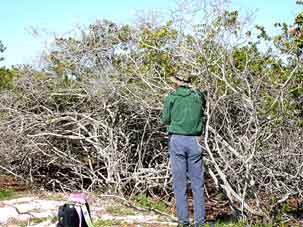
(200, 139)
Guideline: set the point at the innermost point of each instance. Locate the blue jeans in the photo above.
(186, 161)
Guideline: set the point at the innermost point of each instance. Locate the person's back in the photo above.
(185, 116)
(183, 113)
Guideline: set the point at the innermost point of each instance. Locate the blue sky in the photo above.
(58, 17)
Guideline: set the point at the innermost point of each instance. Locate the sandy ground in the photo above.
(41, 210)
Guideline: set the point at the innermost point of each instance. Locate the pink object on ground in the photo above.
(78, 197)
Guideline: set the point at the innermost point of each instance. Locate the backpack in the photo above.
(75, 212)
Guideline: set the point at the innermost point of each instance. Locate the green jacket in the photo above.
(183, 112)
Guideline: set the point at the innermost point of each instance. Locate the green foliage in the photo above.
(6, 75)
(230, 20)
(108, 223)
(119, 210)
(262, 33)
(145, 202)
(283, 101)
(6, 194)
(243, 224)
(2, 49)
(251, 54)
(155, 43)
(6, 78)
(40, 220)
(152, 51)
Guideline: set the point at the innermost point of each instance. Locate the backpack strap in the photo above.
(86, 215)
(78, 209)
(81, 208)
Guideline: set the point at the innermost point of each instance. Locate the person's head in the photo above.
(295, 31)
(181, 81)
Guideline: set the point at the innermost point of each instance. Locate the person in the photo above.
(183, 113)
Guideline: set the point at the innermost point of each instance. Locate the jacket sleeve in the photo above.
(166, 112)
